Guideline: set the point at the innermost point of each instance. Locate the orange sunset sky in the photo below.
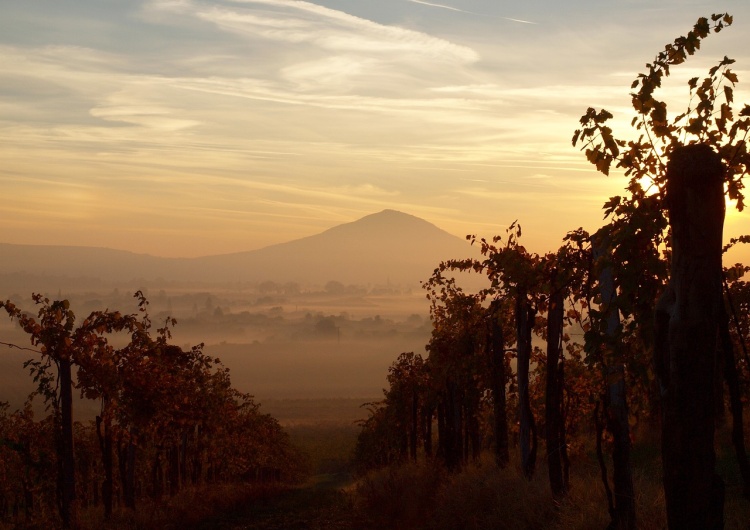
(195, 127)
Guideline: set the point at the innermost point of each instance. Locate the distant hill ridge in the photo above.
(389, 246)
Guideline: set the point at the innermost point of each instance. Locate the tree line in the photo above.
(168, 418)
(643, 322)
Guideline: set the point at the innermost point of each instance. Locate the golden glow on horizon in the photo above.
(233, 127)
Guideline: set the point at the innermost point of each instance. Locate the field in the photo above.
(425, 497)
(312, 361)
(307, 345)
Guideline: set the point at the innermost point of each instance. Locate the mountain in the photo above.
(388, 246)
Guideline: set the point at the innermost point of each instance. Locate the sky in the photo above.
(186, 128)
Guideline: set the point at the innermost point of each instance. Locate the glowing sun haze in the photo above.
(197, 127)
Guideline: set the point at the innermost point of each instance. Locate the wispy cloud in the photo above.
(252, 113)
(442, 6)
(329, 29)
(520, 21)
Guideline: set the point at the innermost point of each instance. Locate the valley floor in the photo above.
(320, 504)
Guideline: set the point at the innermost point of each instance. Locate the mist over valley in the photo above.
(316, 318)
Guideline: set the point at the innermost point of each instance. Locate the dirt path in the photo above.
(320, 504)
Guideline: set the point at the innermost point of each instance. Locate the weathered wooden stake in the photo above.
(525, 314)
(687, 329)
(616, 403)
(498, 379)
(555, 427)
(68, 504)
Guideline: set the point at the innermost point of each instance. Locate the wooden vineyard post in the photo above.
(615, 398)
(687, 329)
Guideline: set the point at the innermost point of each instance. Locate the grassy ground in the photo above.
(420, 497)
(320, 504)
(425, 497)
(328, 448)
